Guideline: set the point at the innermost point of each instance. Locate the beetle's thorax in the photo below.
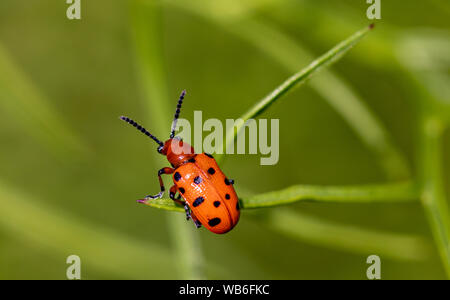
(177, 152)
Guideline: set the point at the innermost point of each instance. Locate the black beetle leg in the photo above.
(161, 183)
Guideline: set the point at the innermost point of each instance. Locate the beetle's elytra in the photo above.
(209, 196)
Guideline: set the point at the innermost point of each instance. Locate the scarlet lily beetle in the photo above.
(209, 196)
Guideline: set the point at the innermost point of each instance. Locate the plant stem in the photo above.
(397, 192)
(147, 35)
(298, 78)
(433, 191)
(290, 54)
(394, 192)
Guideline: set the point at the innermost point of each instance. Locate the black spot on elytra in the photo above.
(192, 160)
(198, 201)
(181, 190)
(227, 182)
(177, 176)
(209, 155)
(211, 171)
(227, 196)
(197, 180)
(214, 222)
(216, 203)
(237, 206)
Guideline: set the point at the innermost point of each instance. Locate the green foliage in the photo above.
(21, 99)
(57, 231)
(82, 202)
(348, 238)
(399, 192)
(147, 37)
(291, 54)
(433, 195)
(298, 78)
(286, 222)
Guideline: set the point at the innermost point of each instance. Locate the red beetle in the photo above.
(209, 196)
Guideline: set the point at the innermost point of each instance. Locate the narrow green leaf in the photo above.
(336, 91)
(147, 30)
(238, 19)
(423, 54)
(433, 191)
(303, 75)
(165, 204)
(298, 78)
(331, 234)
(396, 192)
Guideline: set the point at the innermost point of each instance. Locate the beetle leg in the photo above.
(172, 193)
(161, 183)
(190, 215)
(188, 212)
(197, 224)
(196, 221)
(229, 181)
(187, 209)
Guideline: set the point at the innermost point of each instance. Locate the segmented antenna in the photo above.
(177, 114)
(141, 129)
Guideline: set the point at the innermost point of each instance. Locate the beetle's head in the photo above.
(174, 146)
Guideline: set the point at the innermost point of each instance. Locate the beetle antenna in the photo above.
(177, 114)
(141, 129)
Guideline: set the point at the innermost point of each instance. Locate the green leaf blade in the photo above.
(376, 193)
(239, 20)
(433, 194)
(297, 79)
(400, 192)
(147, 27)
(163, 203)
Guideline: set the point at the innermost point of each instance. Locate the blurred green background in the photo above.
(71, 171)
